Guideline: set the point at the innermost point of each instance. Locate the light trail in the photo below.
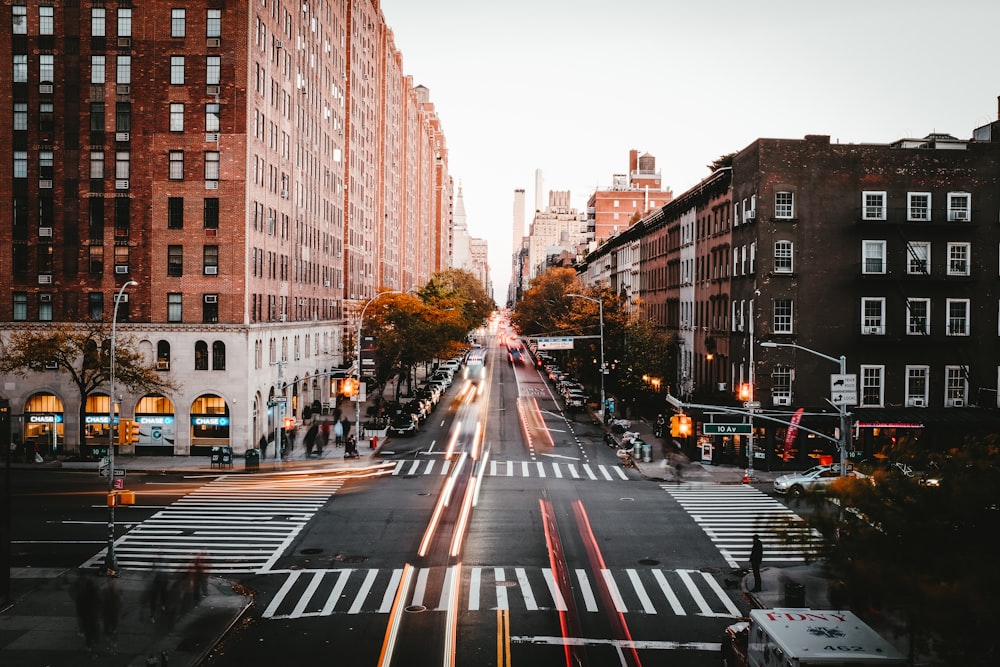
(395, 618)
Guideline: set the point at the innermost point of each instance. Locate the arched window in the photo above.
(218, 356)
(201, 356)
(162, 355)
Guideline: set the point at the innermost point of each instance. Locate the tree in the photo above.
(543, 307)
(725, 160)
(459, 289)
(80, 351)
(920, 555)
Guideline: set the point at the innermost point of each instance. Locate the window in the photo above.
(918, 206)
(123, 69)
(97, 116)
(873, 257)
(177, 27)
(918, 258)
(873, 316)
(916, 386)
(783, 316)
(918, 317)
(97, 69)
(20, 16)
(175, 260)
(210, 310)
(95, 260)
(46, 20)
(210, 260)
(45, 165)
(201, 356)
(956, 388)
(175, 302)
(46, 68)
(123, 116)
(95, 306)
(781, 385)
(959, 207)
(95, 218)
(20, 164)
(122, 165)
(124, 22)
(175, 213)
(211, 165)
(218, 356)
(958, 259)
(211, 213)
(176, 70)
(123, 217)
(212, 117)
(958, 317)
(213, 25)
(20, 68)
(20, 306)
(20, 115)
(121, 257)
(784, 205)
(163, 355)
(45, 307)
(176, 117)
(213, 70)
(871, 385)
(873, 205)
(97, 22)
(175, 170)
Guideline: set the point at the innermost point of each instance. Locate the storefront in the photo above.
(157, 426)
(209, 424)
(44, 432)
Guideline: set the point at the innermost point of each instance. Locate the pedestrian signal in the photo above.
(675, 426)
(133, 431)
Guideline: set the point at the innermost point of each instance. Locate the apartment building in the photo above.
(629, 198)
(258, 169)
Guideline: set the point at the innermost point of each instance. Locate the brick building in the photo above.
(260, 170)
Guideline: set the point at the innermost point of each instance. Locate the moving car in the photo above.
(814, 479)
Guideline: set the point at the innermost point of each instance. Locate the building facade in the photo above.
(260, 170)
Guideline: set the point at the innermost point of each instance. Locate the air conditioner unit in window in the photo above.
(45, 298)
(122, 136)
(51, 365)
(279, 44)
(213, 90)
(213, 42)
(283, 317)
(957, 403)
(211, 270)
(45, 184)
(960, 215)
(284, 194)
(121, 185)
(162, 365)
(125, 42)
(45, 231)
(45, 279)
(918, 402)
(123, 89)
(326, 283)
(722, 386)
(874, 331)
(45, 89)
(751, 215)
(782, 400)
(122, 298)
(211, 298)
(121, 268)
(211, 137)
(211, 185)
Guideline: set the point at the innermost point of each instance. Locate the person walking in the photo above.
(111, 611)
(756, 557)
(309, 440)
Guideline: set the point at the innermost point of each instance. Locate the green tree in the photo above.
(80, 351)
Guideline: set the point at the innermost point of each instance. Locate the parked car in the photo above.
(816, 478)
(404, 426)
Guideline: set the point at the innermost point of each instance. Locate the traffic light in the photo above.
(349, 386)
(685, 426)
(745, 393)
(675, 426)
(133, 431)
(124, 432)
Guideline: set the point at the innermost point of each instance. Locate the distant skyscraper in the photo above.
(539, 191)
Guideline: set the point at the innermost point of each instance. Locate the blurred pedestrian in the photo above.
(322, 438)
(309, 440)
(198, 577)
(262, 445)
(338, 433)
(111, 610)
(756, 558)
(87, 597)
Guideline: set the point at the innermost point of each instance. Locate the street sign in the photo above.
(751, 405)
(555, 343)
(119, 472)
(726, 429)
(844, 389)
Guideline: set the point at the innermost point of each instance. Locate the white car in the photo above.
(814, 479)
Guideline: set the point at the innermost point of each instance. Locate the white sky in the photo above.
(570, 86)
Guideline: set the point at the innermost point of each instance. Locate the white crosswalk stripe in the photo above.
(307, 593)
(539, 469)
(730, 514)
(237, 523)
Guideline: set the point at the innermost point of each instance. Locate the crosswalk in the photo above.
(237, 523)
(537, 469)
(306, 593)
(731, 514)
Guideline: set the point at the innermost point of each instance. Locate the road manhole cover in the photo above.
(311, 551)
(415, 608)
(648, 561)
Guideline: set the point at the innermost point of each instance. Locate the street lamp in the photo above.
(110, 560)
(600, 311)
(841, 405)
(357, 360)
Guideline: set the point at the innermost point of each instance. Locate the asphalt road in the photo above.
(546, 551)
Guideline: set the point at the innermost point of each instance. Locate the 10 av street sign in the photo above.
(726, 429)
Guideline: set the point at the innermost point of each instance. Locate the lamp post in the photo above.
(357, 360)
(110, 560)
(600, 312)
(841, 406)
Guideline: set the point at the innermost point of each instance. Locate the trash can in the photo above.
(647, 452)
(795, 594)
(227, 456)
(252, 458)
